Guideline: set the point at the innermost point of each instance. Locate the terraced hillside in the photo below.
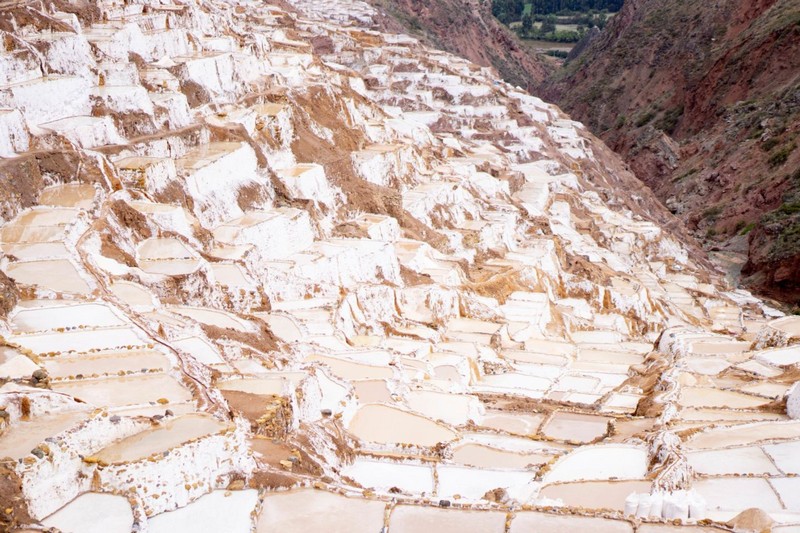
(267, 269)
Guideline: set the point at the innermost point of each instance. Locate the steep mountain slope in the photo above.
(703, 100)
(467, 28)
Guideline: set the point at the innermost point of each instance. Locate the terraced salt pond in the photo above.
(516, 423)
(595, 494)
(169, 434)
(352, 370)
(217, 511)
(408, 477)
(133, 294)
(126, 391)
(310, 511)
(261, 387)
(707, 397)
(746, 460)
(575, 427)
(203, 351)
(727, 494)
(453, 409)
(548, 523)
(15, 365)
(18, 233)
(76, 195)
(166, 256)
(789, 325)
(212, 317)
(58, 275)
(743, 435)
(45, 217)
(482, 456)
(49, 316)
(600, 462)
(372, 391)
(231, 275)
(407, 519)
(283, 327)
(82, 340)
(93, 513)
(37, 250)
(32, 432)
(89, 365)
(384, 424)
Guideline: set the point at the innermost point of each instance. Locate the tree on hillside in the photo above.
(549, 24)
(600, 21)
(527, 23)
(507, 11)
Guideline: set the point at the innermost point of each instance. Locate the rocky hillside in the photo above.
(467, 28)
(703, 100)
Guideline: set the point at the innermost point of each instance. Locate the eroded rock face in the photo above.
(270, 247)
(9, 294)
(15, 512)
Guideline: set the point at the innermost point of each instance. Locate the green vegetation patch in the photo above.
(713, 212)
(770, 143)
(790, 207)
(788, 242)
(685, 175)
(560, 21)
(746, 228)
(779, 156)
(787, 216)
(645, 118)
(512, 10)
(669, 120)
